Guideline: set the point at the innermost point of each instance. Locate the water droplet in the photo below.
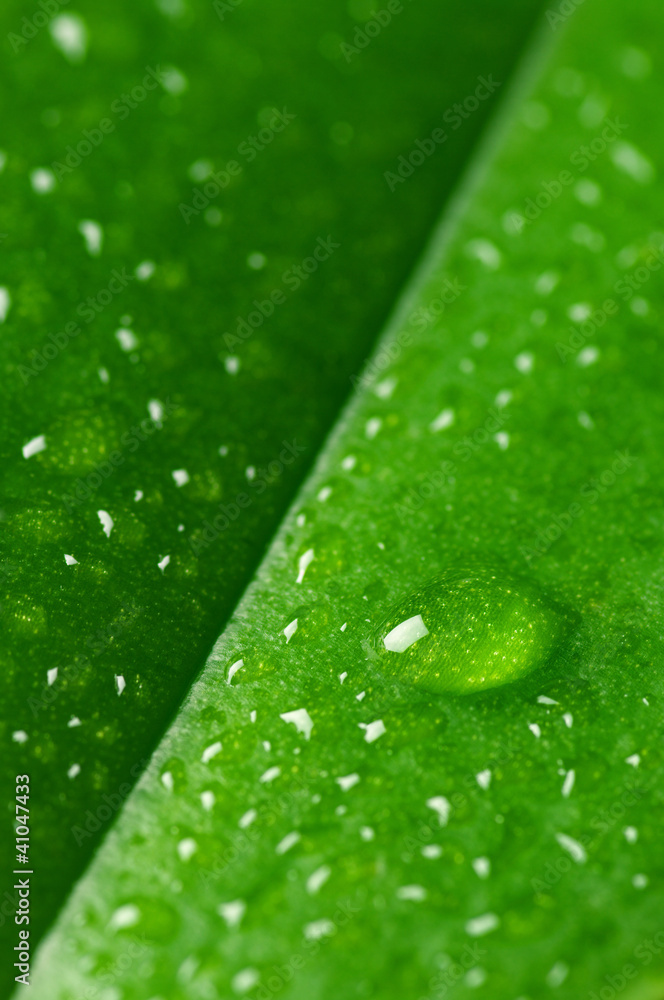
(471, 630)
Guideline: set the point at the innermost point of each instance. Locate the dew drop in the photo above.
(470, 630)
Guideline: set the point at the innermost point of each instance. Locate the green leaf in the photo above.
(316, 823)
(130, 282)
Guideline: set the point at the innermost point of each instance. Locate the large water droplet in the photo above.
(471, 630)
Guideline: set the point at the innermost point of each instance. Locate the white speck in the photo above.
(181, 477)
(586, 236)
(639, 306)
(486, 252)
(156, 411)
(51, 675)
(546, 282)
(145, 270)
(106, 522)
(247, 819)
(360, 696)
(538, 317)
(443, 420)
(482, 867)
(479, 926)
(543, 699)
(631, 834)
(232, 364)
(103, 375)
(167, 781)
(232, 670)
(585, 420)
(232, 912)
(373, 731)
(252, 715)
(245, 980)
(372, 427)
(405, 634)
(270, 775)
(256, 261)
(640, 881)
(34, 446)
(126, 339)
(502, 439)
(342, 677)
(634, 760)
(479, 339)
(483, 778)
(588, 356)
(343, 627)
(318, 879)
(575, 850)
(349, 463)
(70, 560)
(475, 977)
(347, 782)
(73, 722)
(524, 362)
(385, 388)
(93, 235)
(207, 800)
(324, 494)
(125, 916)
(579, 311)
(568, 719)
(3, 160)
(70, 36)
(42, 180)
(120, 683)
(535, 730)
(415, 893)
(200, 170)
(5, 303)
(467, 366)
(431, 851)
(20, 736)
(441, 806)
(635, 63)
(366, 833)
(211, 751)
(163, 563)
(568, 784)
(318, 929)
(74, 770)
(632, 162)
(303, 564)
(301, 719)
(290, 840)
(138, 495)
(173, 80)
(290, 630)
(588, 192)
(557, 975)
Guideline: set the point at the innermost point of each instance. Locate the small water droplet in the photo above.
(470, 630)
